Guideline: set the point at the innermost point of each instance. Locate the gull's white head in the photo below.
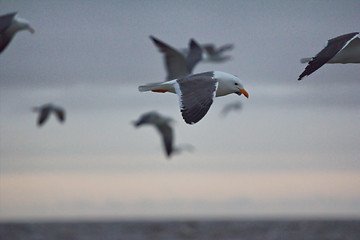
(22, 24)
(228, 83)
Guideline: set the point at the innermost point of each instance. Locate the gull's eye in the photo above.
(236, 83)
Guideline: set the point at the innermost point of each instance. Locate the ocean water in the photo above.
(174, 230)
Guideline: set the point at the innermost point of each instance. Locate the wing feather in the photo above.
(175, 61)
(167, 137)
(196, 95)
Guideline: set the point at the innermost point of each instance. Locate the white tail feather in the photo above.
(149, 87)
(305, 60)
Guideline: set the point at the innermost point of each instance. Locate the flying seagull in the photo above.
(212, 54)
(10, 24)
(234, 106)
(197, 91)
(342, 49)
(183, 147)
(45, 111)
(177, 64)
(162, 124)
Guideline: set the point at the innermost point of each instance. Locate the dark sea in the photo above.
(173, 230)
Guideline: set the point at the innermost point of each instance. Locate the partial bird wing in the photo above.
(225, 47)
(43, 116)
(194, 56)
(167, 137)
(196, 94)
(60, 114)
(175, 61)
(210, 48)
(230, 107)
(332, 47)
(143, 119)
(6, 20)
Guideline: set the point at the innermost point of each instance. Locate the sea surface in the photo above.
(173, 230)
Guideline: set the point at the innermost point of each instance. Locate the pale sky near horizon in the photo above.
(292, 151)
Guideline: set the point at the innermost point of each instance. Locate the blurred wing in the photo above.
(226, 109)
(209, 48)
(231, 107)
(175, 62)
(143, 119)
(43, 116)
(194, 56)
(4, 41)
(225, 47)
(167, 137)
(332, 47)
(60, 114)
(5, 21)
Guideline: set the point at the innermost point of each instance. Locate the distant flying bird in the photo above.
(177, 64)
(10, 24)
(45, 111)
(183, 147)
(162, 124)
(197, 91)
(234, 106)
(212, 54)
(342, 49)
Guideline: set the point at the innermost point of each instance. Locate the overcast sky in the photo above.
(293, 149)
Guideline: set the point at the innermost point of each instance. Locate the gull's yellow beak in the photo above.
(244, 92)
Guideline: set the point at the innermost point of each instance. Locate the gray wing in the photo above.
(60, 114)
(210, 49)
(333, 46)
(226, 47)
(175, 61)
(43, 116)
(5, 22)
(4, 41)
(194, 56)
(167, 137)
(143, 119)
(196, 94)
(231, 107)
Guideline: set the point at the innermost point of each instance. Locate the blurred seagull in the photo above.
(46, 109)
(183, 147)
(162, 124)
(342, 49)
(177, 64)
(234, 106)
(10, 24)
(196, 92)
(211, 54)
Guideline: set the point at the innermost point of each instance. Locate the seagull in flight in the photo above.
(341, 49)
(45, 110)
(196, 92)
(163, 125)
